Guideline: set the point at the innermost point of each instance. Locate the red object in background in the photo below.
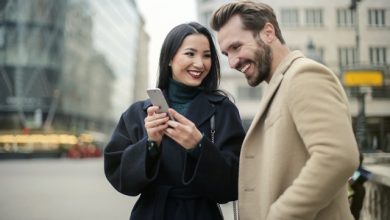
(81, 150)
(26, 130)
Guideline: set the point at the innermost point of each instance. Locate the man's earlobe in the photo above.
(269, 32)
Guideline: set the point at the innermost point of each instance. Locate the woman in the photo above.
(180, 169)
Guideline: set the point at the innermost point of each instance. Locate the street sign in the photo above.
(363, 78)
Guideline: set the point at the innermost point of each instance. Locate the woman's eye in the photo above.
(189, 54)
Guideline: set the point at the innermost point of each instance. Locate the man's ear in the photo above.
(268, 33)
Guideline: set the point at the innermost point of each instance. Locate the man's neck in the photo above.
(279, 52)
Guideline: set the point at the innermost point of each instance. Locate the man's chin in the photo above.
(253, 82)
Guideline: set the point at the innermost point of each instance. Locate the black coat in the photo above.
(177, 185)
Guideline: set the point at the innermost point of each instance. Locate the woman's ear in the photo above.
(170, 63)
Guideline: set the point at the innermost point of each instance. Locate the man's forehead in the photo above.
(228, 32)
(233, 23)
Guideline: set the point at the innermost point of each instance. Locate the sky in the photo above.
(160, 17)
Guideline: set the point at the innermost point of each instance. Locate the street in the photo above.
(61, 189)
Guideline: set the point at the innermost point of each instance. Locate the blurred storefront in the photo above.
(69, 66)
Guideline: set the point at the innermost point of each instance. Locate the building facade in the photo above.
(69, 65)
(341, 38)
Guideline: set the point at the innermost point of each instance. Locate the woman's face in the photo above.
(192, 62)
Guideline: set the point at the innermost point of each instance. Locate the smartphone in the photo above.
(157, 98)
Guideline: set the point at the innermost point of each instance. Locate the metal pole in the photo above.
(361, 118)
(361, 121)
(357, 37)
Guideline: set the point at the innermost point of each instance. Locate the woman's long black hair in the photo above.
(172, 43)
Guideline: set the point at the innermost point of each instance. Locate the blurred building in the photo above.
(69, 65)
(341, 38)
(141, 76)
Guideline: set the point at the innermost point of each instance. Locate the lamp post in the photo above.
(354, 9)
(360, 128)
(311, 51)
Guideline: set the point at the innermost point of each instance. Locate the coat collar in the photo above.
(201, 108)
(273, 86)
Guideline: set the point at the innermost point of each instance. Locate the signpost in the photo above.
(363, 79)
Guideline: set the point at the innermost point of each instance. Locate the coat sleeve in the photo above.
(320, 111)
(127, 165)
(214, 173)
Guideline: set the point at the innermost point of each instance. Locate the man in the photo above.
(300, 149)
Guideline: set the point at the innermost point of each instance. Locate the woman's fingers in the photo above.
(157, 130)
(182, 130)
(187, 135)
(178, 117)
(156, 121)
(151, 110)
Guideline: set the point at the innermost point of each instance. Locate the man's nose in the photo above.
(233, 61)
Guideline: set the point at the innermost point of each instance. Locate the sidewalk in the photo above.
(63, 189)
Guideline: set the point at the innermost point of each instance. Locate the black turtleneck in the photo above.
(180, 95)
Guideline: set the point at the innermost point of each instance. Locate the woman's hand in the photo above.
(155, 124)
(183, 131)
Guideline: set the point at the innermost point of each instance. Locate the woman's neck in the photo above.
(181, 93)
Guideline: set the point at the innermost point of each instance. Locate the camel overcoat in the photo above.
(300, 149)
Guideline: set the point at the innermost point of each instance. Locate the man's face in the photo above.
(246, 53)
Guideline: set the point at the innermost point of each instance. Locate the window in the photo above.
(290, 17)
(347, 56)
(249, 93)
(376, 17)
(345, 18)
(378, 55)
(2, 36)
(314, 17)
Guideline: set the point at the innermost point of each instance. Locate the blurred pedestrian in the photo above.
(180, 167)
(300, 149)
(359, 177)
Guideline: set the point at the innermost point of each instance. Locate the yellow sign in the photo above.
(39, 138)
(363, 78)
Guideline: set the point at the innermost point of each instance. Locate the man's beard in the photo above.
(263, 60)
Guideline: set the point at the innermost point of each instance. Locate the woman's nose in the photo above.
(198, 62)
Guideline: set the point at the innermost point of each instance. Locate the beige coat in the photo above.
(300, 149)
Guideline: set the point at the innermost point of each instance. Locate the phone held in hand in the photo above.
(157, 98)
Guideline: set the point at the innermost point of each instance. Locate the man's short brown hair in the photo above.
(254, 16)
